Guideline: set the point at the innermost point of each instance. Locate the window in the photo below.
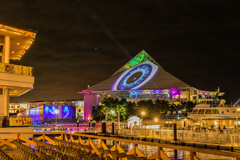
(1, 48)
(215, 111)
(195, 111)
(1, 91)
(208, 111)
(201, 111)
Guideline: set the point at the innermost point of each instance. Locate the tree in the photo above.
(153, 108)
(186, 107)
(111, 107)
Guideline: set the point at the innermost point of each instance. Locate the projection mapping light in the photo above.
(136, 77)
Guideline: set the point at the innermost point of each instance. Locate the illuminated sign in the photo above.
(34, 114)
(49, 112)
(20, 121)
(136, 77)
(68, 112)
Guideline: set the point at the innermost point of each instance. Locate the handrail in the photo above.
(16, 69)
(186, 148)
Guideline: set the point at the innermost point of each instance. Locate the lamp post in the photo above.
(143, 113)
(56, 112)
(119, 118)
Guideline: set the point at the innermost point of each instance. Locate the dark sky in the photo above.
(81, 43)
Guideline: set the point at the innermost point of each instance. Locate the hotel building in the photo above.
(15, 80)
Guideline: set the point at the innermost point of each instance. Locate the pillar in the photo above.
(90, 100)
(5, 107)
(113, 128)
(104, 127)
(6, 50)
(175, 132)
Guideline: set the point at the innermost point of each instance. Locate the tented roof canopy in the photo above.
(142, 73)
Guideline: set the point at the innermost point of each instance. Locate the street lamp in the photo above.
(119, 118)
(56, 112)
(155, 119)
(143, 113)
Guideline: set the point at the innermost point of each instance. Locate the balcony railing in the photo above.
(16, 69)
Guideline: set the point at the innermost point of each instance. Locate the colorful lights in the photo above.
(30, 35)
(141, 57)
(136, 77)
(49, 112)
(68, 112)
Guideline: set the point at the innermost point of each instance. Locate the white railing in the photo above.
(213, 137)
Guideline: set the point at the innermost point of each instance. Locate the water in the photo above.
(150, 150)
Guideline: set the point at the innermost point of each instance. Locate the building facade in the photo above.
(15, 80)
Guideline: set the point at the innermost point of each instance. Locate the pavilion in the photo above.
(141, 78)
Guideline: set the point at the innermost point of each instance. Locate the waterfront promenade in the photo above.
(227, 137)
(61, 145)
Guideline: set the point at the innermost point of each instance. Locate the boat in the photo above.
(213, 109)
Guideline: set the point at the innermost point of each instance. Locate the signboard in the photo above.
(20, 121)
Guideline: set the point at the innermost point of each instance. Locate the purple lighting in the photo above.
(68, 112)
(49, 112)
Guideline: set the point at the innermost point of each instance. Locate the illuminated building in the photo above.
(15, 80)
(15, 108)
(141, 78)
(41, 111)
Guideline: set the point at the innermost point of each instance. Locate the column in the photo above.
(6, 107)
(6, 49)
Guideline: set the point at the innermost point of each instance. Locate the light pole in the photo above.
(56, 112)
(119, 118)
(143, 113)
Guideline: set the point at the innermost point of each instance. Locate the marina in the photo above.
(119, 81)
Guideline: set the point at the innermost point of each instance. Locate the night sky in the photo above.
(81, 43)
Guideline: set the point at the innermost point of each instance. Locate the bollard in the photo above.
(77, 125)
(175, 153)
(104, 127)
(175, 132)
(113, 128)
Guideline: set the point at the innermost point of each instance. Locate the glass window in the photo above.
(195, 111)
(201, 111)
(215, 111)
(208, 111)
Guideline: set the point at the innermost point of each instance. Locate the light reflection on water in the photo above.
(150, 150)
